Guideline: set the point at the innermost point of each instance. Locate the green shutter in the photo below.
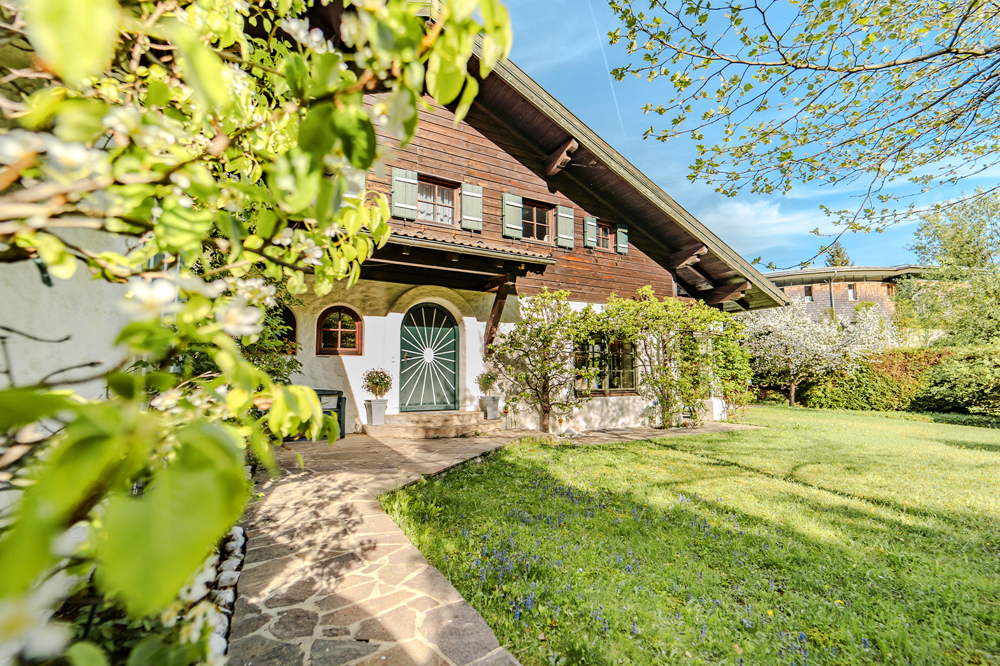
(404, 194)
(590, 232)
(472, 207)
(621, 244)
(512, 216)
(564, 227)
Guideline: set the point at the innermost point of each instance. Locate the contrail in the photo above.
(607, 67)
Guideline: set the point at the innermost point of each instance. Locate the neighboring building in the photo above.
(518, 197)
(841, 288)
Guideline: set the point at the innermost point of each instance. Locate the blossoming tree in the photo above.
(787, 347)
(193, 128)
(535, 359)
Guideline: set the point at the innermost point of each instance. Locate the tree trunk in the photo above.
(791, 394)
(546, 409)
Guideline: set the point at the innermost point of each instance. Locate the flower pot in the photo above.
(490, 404)
(376, 411)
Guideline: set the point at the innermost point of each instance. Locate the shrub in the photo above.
(967, 381)
(487, 379)
(377, 382)
(888, 382)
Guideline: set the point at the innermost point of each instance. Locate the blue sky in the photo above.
(557, 44)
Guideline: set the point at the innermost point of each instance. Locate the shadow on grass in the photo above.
(562, 567)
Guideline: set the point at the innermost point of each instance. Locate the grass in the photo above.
(824, 538)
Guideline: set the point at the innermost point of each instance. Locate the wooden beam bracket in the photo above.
(686, 256)
(724, 293)
(499, 302)
(560, 159)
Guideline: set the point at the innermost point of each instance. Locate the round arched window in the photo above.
(340, 332)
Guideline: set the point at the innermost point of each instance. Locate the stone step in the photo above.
(455, 418)
(426, 431)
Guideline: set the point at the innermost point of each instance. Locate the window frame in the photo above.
(852, 291)
(807, 293)
(612, 236)
(456, 210)
(587, 348)
(549, 221)
(359, 330)
(291, 339)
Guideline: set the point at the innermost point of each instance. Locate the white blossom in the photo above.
(166, 400)
(25, 629)
(18, 143)
(256, 291)
(312, 253)
(239, 319)
(785, 344)
(152, 297)
(300, 32)
(284, 238)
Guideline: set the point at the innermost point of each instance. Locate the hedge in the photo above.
(962, 381)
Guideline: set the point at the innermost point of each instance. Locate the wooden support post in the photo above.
(496, 283)
(560, 159)
(493, 323)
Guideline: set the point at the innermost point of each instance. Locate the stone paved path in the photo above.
(330, 579)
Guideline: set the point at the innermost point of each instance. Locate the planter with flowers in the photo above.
(490, 404)
(377, 382)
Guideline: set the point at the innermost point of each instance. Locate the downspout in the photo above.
(833, 310)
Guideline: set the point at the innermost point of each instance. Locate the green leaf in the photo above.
(444, 78)
(157, 94)
(468, 96)
(357, 135)
(75, 38)
(316, 132)
(80, 120)
(202, 68)
(21, 406)
(297, 76)
(152, 544)
(86, 654)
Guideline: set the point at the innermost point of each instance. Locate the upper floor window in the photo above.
(435, 202)
(340, 332)
(535, 221)
(890, 290)
(605, 237)
(808, 293)
(852, 293)
(615, 364)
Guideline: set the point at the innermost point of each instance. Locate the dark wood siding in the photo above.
(482, 152)
(873, 292)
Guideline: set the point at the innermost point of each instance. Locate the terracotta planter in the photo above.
(376, 411)
(490, 404)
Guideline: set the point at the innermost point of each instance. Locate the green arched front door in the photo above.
(428, 369)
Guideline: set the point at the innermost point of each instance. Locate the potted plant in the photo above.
(490, 404)
(377, 382)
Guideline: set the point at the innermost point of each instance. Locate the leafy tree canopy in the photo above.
(191, 129)
(889, 97)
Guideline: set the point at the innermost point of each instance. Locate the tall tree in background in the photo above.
(836, 255)
(961, 294)
(895, 97)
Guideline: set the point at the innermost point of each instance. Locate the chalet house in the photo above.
(518, 197)
(841, 288)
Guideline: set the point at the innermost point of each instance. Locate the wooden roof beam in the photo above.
(686, 256)
(560, 159)
(722, 294)
(498, 282)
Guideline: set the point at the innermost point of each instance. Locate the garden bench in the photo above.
(337, 407)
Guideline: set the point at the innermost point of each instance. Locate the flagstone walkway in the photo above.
(330, 579)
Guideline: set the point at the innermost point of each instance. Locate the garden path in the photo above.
(330, 579)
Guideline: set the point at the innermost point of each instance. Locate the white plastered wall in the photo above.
(382, 306)
(87, 310)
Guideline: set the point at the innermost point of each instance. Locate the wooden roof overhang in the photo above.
(701, 263)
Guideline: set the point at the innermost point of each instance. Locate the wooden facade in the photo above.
(482, 152)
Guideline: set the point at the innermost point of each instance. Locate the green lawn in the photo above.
(823, 538)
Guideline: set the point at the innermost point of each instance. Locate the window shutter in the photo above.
(564, 227)
(590, 232)
(621, 244)
(404, 194)
(512, 216)
(472, 207)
